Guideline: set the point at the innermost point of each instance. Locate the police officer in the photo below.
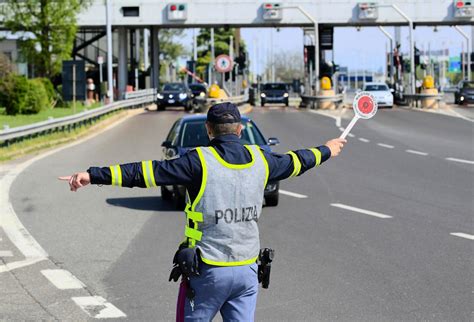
(225, 183)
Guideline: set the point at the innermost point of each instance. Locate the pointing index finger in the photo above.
(65, 178)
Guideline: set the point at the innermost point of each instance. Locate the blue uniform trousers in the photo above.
(232, 291)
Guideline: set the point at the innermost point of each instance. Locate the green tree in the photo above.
(53, 26)
(221, 46)
(170, 49)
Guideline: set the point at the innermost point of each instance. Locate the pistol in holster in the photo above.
(265, 259)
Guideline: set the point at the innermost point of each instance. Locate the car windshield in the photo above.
(197, 87)
(194, 134)
(173, 87)
(376, 87)
(468, 85)
(274, 87)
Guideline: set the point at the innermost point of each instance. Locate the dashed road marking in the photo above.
(362, 211)
(341, 129)
(364, 140)
(383, 145)
(62, 279)
(416, 152)
(460, 160)
(98, 308)
(6, 253)
(463, 235)
(351, 135)
(292, 194)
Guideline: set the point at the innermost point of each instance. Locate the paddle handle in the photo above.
(350, 126)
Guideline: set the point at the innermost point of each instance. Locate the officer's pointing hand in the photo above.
(335, 145)
(77, 180)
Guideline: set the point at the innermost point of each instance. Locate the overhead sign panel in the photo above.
(464, 9)
(272, 11)
(177, 11)
(368, 11)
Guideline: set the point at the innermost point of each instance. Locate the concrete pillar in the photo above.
(122, 62)
(155, 58)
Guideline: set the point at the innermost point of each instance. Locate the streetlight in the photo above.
(316, 41)
(110, 84)
(382, 29)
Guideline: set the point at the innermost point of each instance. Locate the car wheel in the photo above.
(166, 194)
(287, 103)
(160, 107)
(272, 200)
(262, 104)
(178, 199)
(188, 107)
(390, 106)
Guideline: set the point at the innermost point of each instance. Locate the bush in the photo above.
(20, 95)
(49, 87)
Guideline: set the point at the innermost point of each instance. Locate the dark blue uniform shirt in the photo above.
(187, 170)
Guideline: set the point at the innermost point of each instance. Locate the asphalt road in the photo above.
(371, 241)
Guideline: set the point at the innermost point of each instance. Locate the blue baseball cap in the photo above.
(223, 113)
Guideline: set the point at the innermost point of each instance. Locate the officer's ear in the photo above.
(209, 131)
(239, 129)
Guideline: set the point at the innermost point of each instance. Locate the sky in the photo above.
(363, 49)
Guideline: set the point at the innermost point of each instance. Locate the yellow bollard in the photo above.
(429, 88)
(326, 90)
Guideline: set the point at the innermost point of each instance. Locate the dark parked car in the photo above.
(189, 132)
(274, 93)
(199, 95)
(174, 94)
(464, 93)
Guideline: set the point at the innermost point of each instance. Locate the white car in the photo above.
(383, 95)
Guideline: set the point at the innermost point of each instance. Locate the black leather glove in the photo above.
(188, 261)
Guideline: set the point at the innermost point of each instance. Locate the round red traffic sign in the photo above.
(223, 64)
(365, 105)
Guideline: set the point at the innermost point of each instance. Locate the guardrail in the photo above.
(312, 100)
(9, 135)
(241, 99)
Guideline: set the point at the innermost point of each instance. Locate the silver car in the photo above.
(383, 95)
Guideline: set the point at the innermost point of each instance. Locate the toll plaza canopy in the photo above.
(201, 13)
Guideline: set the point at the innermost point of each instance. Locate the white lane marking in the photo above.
(6, 253)
(362, 211)
(416, 152)
(383, 145)
(460, 160)
(337, 118)
(351, 135)
(98, 308)
(364, 140)
(292, 194)
(341, 129)
(14, 229)
(463, 235)
(62, 279)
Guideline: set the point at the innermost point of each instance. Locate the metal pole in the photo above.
(382, 29)
(412, 47)
(213, 54)
(74, 88)
(146, 62)
(110, 91)
(316, 41)
(468, 43)
(195, 54)
(463, 62)
(272, 60)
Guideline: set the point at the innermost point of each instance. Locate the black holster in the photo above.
(265, 259)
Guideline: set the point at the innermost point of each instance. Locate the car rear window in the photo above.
(194, 134)
(380, 87)
(468, 85)
(274, 87)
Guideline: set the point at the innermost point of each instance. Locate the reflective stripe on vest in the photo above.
(225, 213)
(317, 155)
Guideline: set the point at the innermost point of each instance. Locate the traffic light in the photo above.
(309, 56)
(177, 11)
(464, 9)
(241, 60)
(272, 11)
(368, 11)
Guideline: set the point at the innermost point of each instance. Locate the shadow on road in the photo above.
(142, 203)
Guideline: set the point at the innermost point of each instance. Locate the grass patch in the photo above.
(40, 143)
(57, 112)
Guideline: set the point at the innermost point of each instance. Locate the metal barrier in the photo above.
(418, 97)
(241, 99)
(312, 100)
(70, 122)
